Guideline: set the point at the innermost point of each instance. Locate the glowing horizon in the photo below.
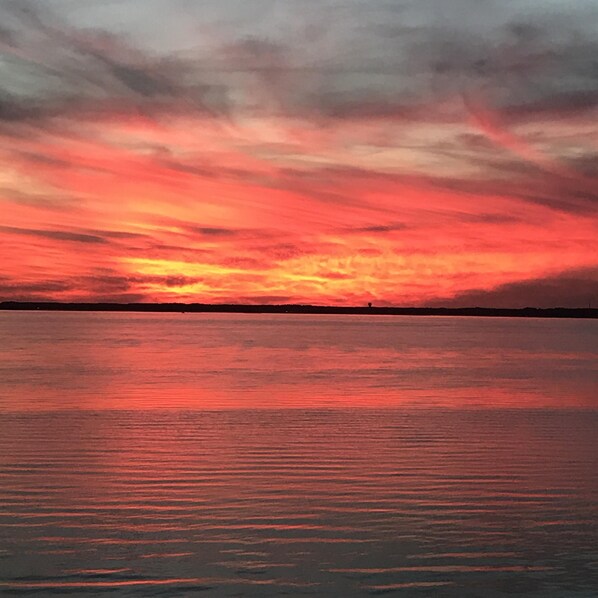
(414, 154)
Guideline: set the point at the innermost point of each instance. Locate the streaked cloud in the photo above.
(406, 152)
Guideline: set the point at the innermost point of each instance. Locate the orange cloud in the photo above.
(251, 170)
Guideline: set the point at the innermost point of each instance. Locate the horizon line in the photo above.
(299, 308)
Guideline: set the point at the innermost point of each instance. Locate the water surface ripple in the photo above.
(322, 460)
(321, 502)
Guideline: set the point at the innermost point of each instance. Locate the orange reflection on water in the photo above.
(357, 497)
(208, 362)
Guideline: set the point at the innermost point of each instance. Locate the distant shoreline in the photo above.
(527, 312)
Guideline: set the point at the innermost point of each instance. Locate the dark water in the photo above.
(171, 455)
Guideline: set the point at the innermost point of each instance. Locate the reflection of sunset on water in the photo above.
(330, 501)
(241, 361)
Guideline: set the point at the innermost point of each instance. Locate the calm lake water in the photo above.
(243, 455)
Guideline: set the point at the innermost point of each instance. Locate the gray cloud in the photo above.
(38, 200)
(492, 218)
(569, 289)
(381, 228)
(399, 57)
(55, 69)
(90, 236)
(212, 231)
(96, 286)
(10, 288)
(54, 234)
(407, 63)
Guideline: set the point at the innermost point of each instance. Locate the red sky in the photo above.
(341, 155)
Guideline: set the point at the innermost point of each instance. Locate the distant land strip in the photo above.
(526, 312)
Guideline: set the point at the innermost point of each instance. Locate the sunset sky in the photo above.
(404, 152)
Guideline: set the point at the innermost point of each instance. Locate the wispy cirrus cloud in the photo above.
(405, 151)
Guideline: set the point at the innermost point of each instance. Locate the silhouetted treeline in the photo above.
(527, 312)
